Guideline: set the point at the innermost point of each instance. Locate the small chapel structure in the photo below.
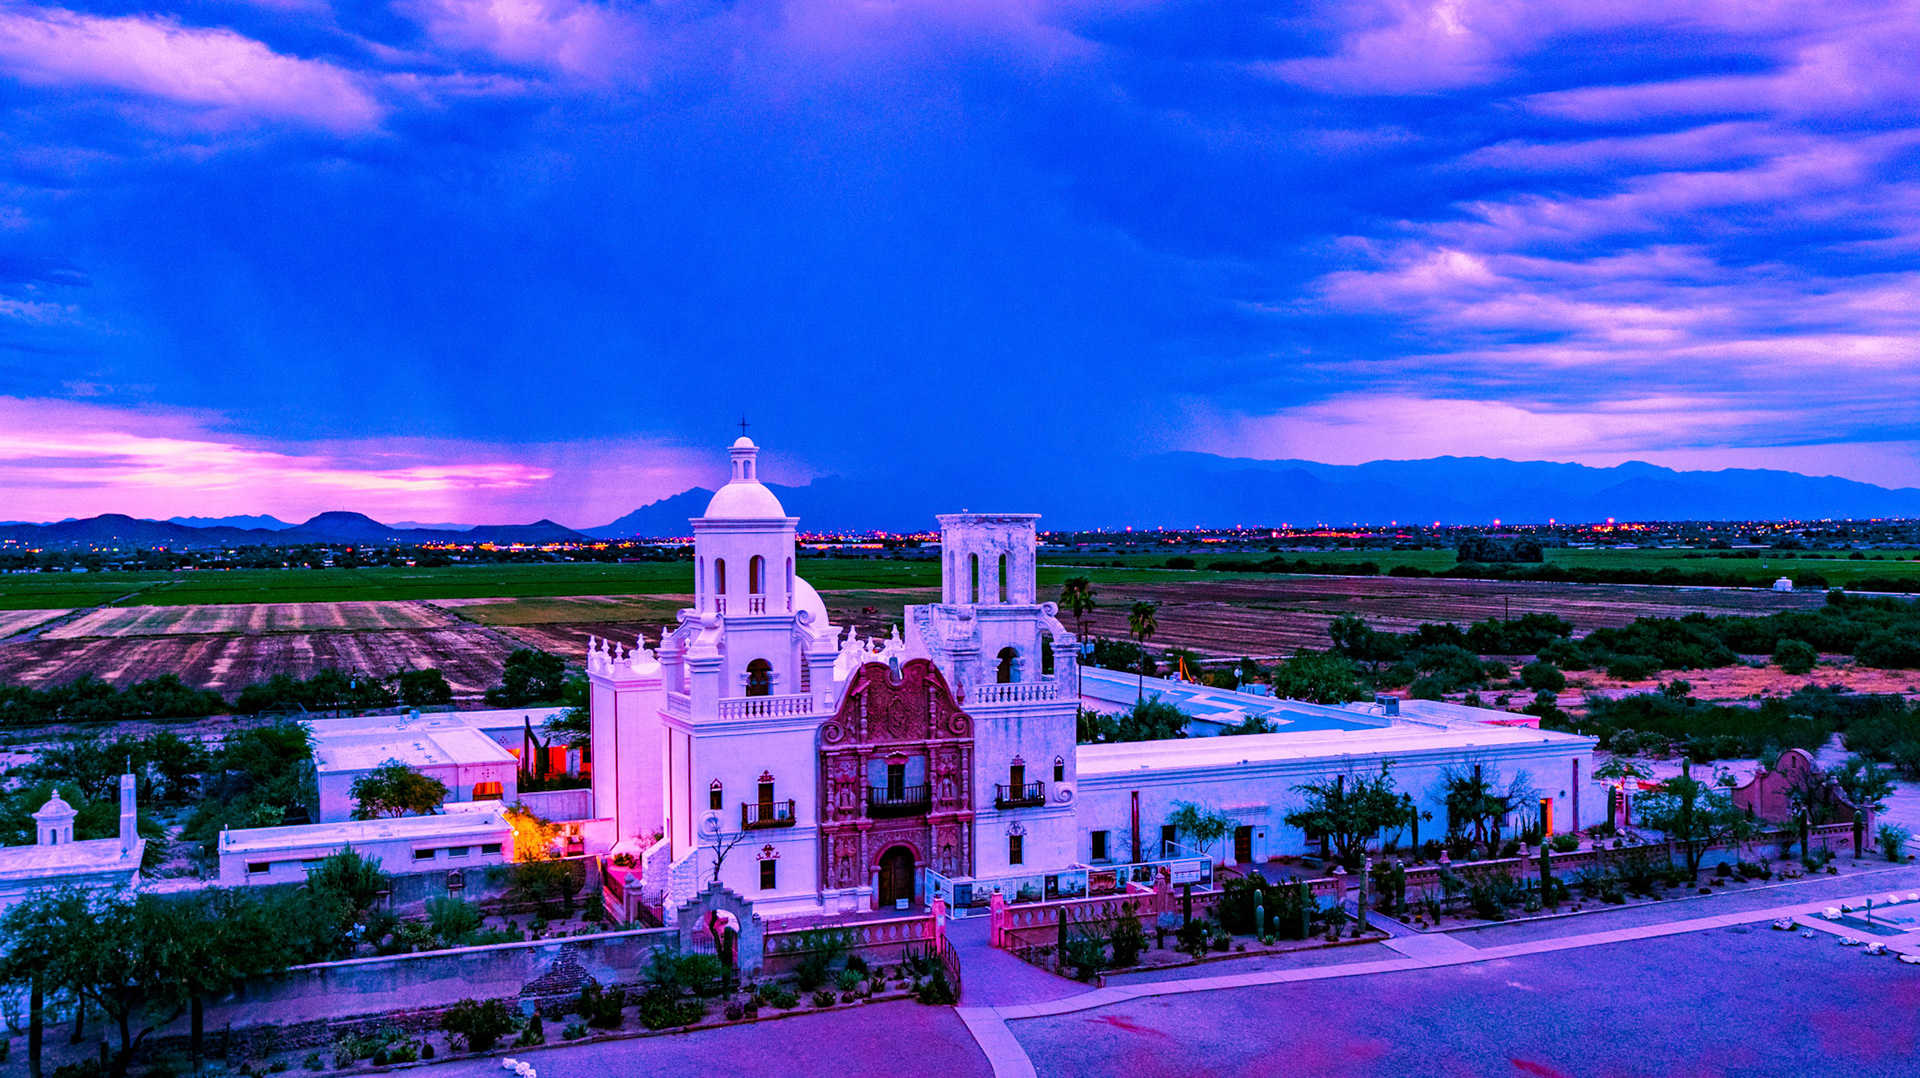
(57, 859)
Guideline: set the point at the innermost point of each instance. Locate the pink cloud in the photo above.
(578, 37)
(64, 458)
(217, 74)
(1840, 66)
(1406, 46)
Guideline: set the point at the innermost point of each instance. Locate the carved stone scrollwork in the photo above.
(832, 733)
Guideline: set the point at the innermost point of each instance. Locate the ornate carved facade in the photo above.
(896, 762)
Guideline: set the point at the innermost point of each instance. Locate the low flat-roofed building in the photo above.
(462, 839)
(472, 765)
(1133, 786)
(1211, 711)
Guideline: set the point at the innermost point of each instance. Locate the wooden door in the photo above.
(1243, 845)
(896, 876)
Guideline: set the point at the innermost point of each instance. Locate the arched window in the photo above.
(1003, 578)
(973, 578)
(1046, 654)
(1008, 660)
(757, 576)
(789, 585)
(720, 577)
(700, 579)
(759, 678)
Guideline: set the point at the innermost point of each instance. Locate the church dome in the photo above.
(745, 497)
(56, 808)
(805, 598)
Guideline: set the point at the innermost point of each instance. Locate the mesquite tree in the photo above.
(1349, 810)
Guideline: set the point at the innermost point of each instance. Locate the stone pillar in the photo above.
(939, 920)
(997, 918)
(1360, 901)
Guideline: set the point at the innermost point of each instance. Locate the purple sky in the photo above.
(489, 261)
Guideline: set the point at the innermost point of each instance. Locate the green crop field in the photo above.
(40, 591)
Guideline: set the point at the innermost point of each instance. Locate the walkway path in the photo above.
(988, 1022)
(992, 977)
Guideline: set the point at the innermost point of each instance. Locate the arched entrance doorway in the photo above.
(896, 876)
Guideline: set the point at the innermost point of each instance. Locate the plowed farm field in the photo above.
(228, 646)
(19, 621)
(1274, 617)
(469, 656)
(251, 618)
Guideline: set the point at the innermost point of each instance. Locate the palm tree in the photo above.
(1077, 596)
(1142, 623)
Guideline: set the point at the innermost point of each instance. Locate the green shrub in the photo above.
(1565, 843)
(1086, 955)
(1128, 939)
(452, 920)
(602, 1009)
(1795, 656)
(1893, 840)
(937, 991)
(820, 949)
(1542, 677)
(1632, 667)
(690, 972)
(479, 1024)
(664, 1008)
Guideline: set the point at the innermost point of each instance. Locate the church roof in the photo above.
(69, 861)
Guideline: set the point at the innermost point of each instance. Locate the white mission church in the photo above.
(814, 772)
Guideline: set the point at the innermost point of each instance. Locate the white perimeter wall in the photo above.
(1261, 795)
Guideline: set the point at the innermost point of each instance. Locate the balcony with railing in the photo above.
(1025, 795)
(767, 707)
(755, 815)
(889, 801)
(1013, 692)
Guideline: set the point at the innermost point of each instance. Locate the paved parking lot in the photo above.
(881, 1040)
(1743, 1001)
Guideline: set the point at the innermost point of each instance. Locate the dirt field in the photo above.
(1274, 617)
(251, 618)
(1746, 682)
(225, 647)
(469, 656)
(19, 621)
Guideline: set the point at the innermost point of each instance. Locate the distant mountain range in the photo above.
(1178, 490)
(1172, 490)
(338, 528)
(273, 524)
